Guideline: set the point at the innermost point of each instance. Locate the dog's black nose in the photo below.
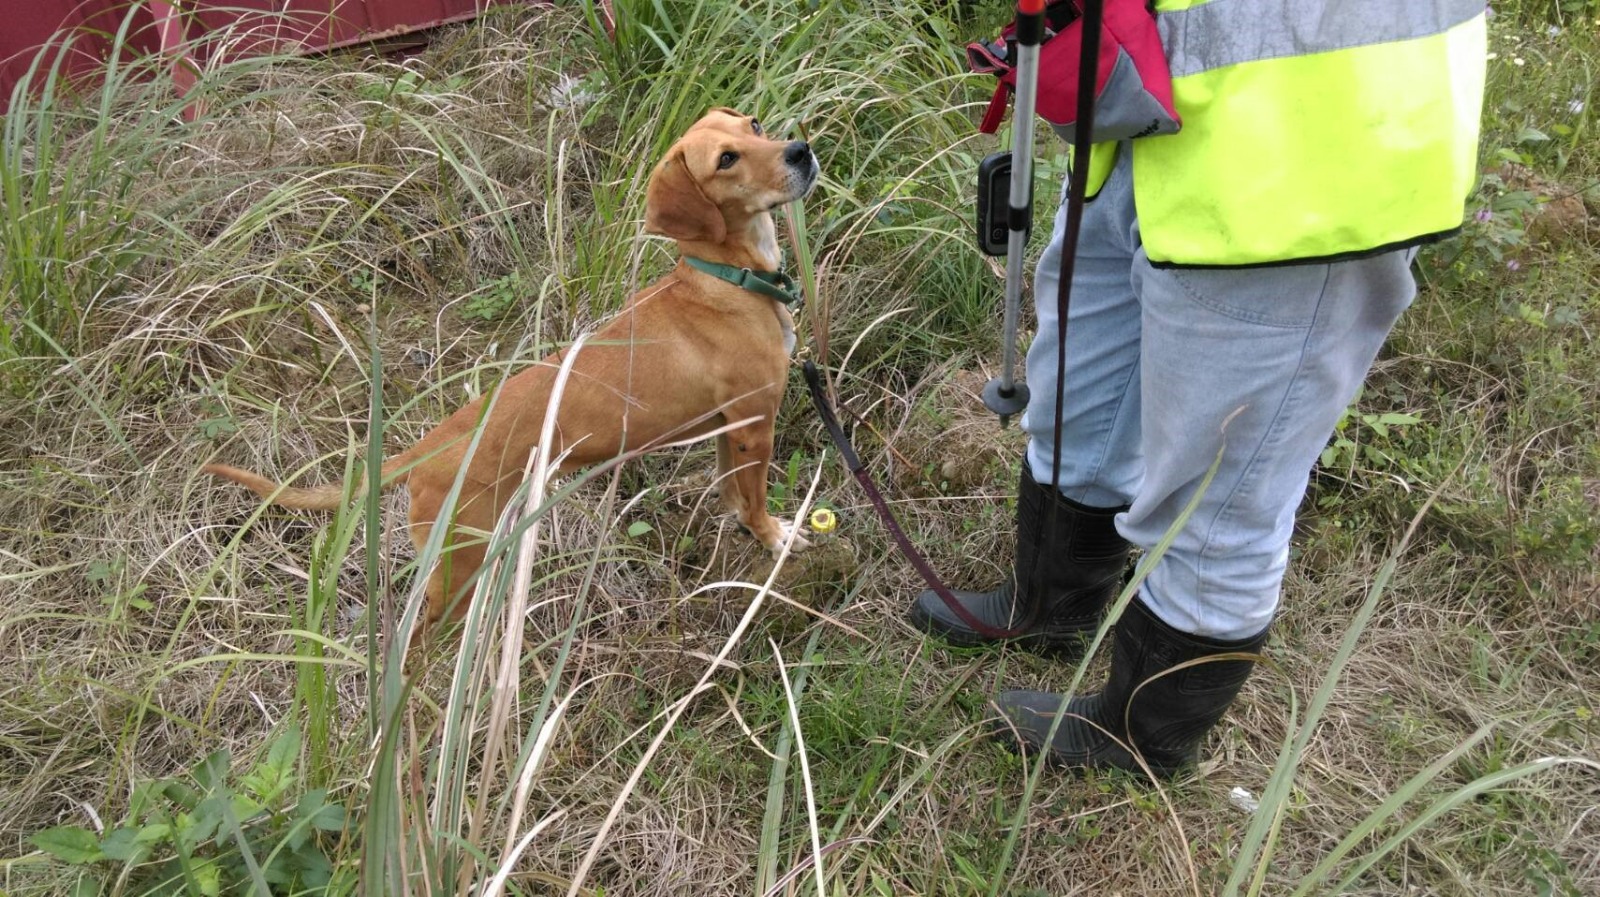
(797, 153)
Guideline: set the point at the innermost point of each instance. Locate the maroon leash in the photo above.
(1076, 196)
(859, 471)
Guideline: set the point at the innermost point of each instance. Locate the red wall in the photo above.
(283, 25)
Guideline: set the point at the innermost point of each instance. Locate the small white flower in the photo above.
(1244, 800)
(1518, 60)
(1493, 56)
(1575, 107)
(570, 93)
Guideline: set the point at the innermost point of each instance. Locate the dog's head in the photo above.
(720, 174)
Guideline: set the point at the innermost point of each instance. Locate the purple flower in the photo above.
(1483, 215)
(1513, 265)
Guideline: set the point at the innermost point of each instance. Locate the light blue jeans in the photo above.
(1158, 359)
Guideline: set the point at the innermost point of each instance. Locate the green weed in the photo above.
(282, 283)
(210, 832)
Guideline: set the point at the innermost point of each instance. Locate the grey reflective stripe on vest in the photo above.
(1228, 32)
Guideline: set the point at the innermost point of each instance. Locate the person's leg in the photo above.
(1257, 364)
(1100, 463)
(1070, 558)
(1282, 351)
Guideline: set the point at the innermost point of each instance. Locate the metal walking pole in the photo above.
(1003, 395)
(1003, 235)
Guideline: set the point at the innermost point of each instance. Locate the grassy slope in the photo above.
(488, 214)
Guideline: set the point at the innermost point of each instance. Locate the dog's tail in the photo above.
(317, 498)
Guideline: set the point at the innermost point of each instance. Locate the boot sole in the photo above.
(1067, 651)
(1008, 738)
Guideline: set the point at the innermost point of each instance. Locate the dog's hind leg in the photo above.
(465, 547)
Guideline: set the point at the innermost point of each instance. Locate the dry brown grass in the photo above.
(124, 576)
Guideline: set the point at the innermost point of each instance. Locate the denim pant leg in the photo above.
(1100, 453)
(1158, 360)
(1257, 363)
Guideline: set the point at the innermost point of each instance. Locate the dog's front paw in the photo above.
(786, 528)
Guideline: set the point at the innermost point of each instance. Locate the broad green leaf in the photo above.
(315, 870)
(123, 845)
(209, 878)
(207, 817)
(212, 772)
(244, 807)
(285, 748)
(70, 843)
(329, 818)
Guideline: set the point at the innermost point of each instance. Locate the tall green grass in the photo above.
(69, 169)
(514, 757)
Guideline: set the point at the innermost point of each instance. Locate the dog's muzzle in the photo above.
(803, 168)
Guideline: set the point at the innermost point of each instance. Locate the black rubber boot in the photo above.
(1069, 565)
(1164, 719)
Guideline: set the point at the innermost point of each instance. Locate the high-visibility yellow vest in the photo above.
(1349, 129)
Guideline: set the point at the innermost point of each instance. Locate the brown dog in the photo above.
(688, 354)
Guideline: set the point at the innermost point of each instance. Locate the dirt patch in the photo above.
(951, 444)
(1561, 213)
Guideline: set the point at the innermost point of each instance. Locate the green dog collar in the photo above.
(772, 284)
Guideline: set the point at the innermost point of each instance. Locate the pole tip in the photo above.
(1005, 402)
(1030, 7)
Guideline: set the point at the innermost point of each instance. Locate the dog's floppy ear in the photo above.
(676, 207)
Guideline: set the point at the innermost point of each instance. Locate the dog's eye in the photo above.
(755, 125)
(726, 160)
